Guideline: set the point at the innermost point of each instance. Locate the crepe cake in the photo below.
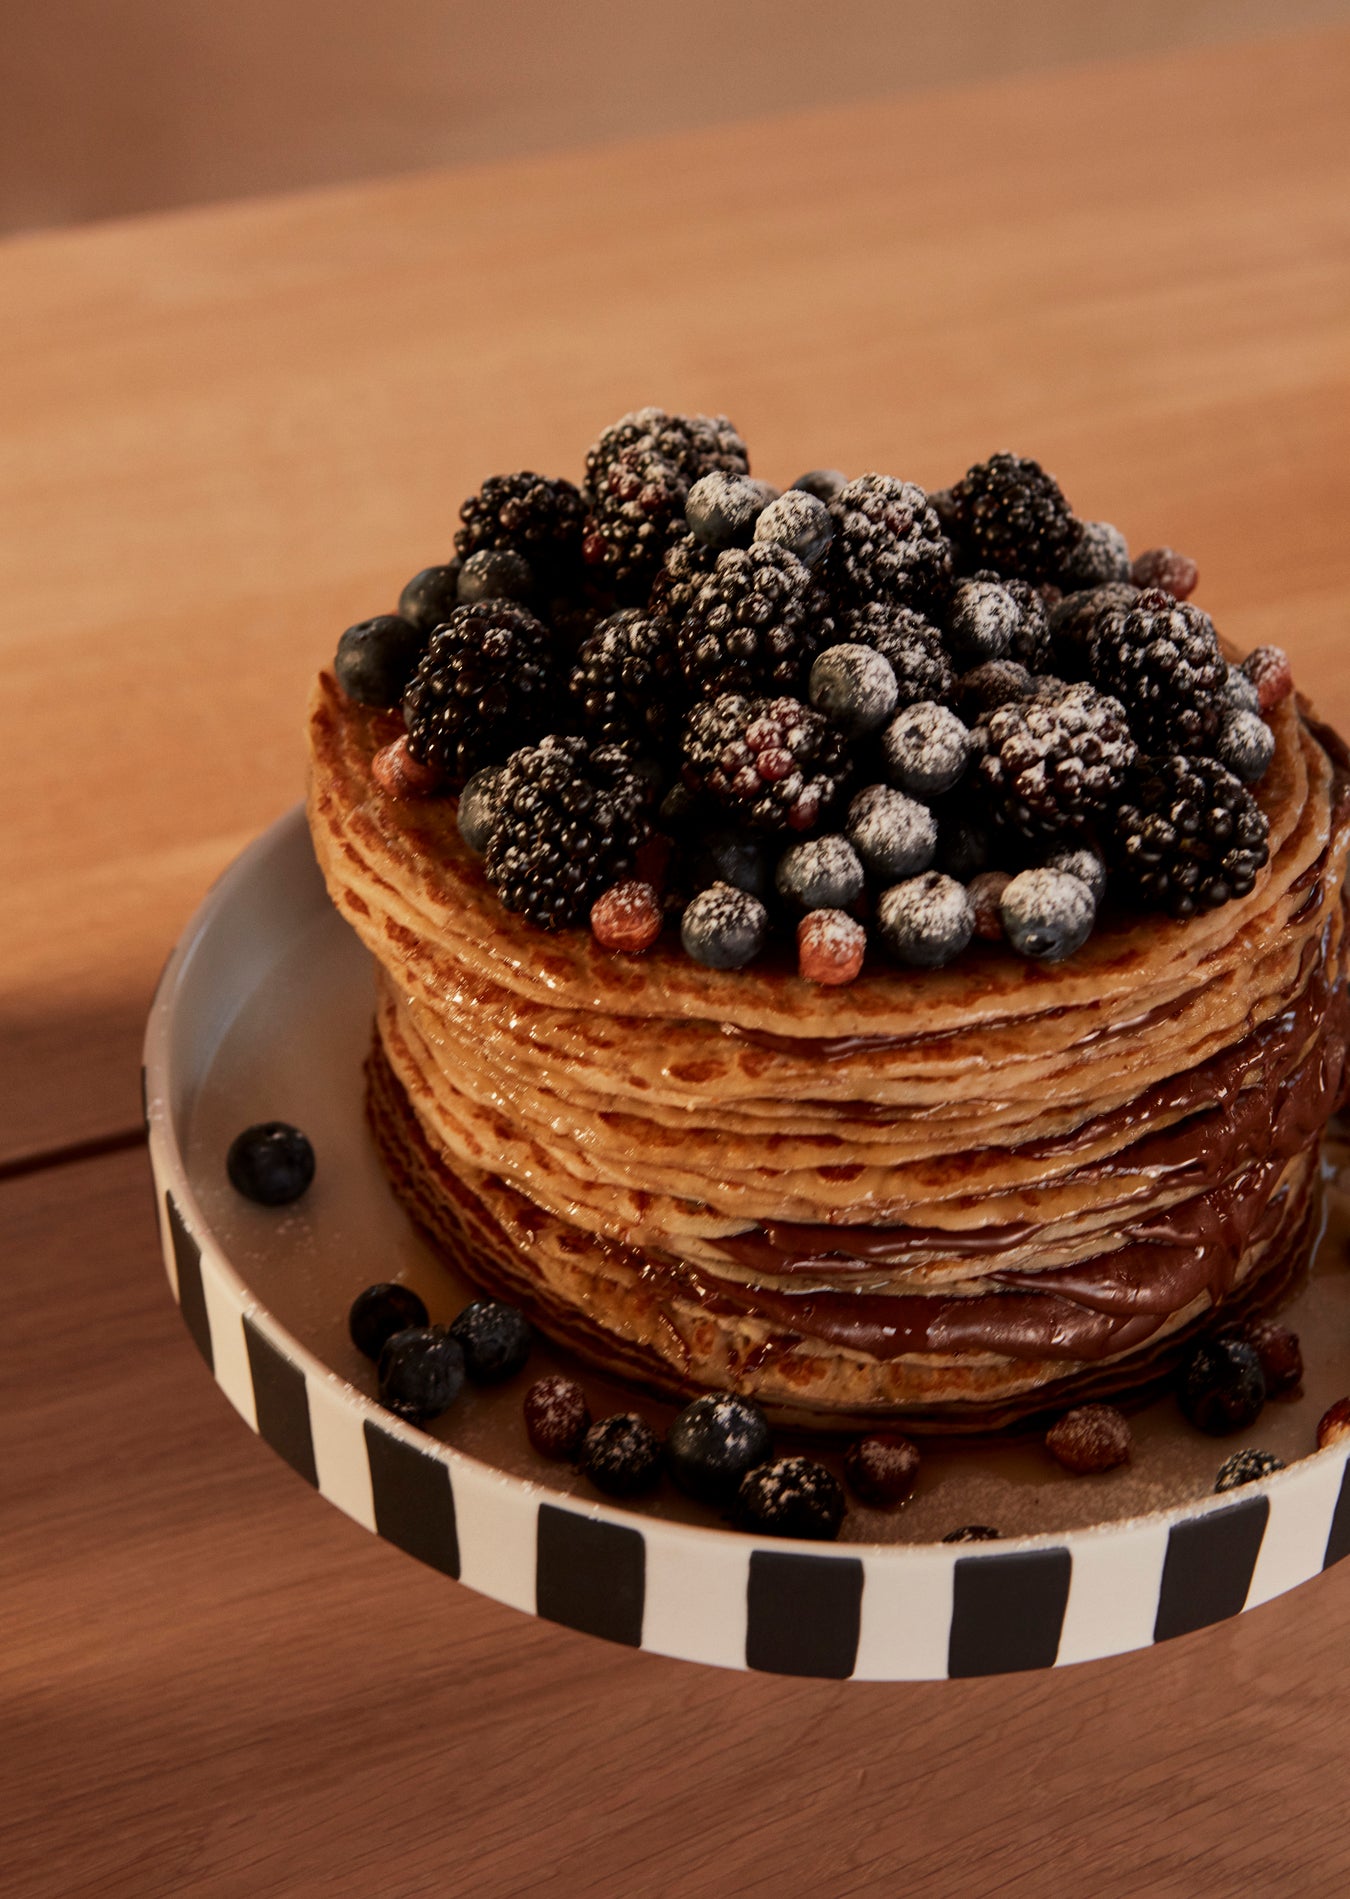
(951, 1197)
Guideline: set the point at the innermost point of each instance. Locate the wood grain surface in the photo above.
(230, 433)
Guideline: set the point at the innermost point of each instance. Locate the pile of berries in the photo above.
(852, 716)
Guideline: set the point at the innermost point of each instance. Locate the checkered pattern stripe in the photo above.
(866, 1612)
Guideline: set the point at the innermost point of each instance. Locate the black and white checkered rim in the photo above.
(880, 1612)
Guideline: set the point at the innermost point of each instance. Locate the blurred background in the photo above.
(113, 107)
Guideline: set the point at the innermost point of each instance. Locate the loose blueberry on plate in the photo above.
(973, 1533)
(421, 1372)
(379, 1312)
(1245, 1467)
(621, 1455)
(713, 1443)
(794, 1497)
(495, 1340)
(882, 1468)
(1222, 1386)
(557, 1416)
(271, 1162)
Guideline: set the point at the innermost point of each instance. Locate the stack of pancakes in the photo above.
(948, 1198)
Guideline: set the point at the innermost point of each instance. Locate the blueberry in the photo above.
(1240, 692)
(722, 509)
(621, 1455)
(1083, 864)
(495, 1339)
(713, 1443)
(1047, 914)
(1246, 745)
(557, 1416)
(477, 811)
(271, 1163)
(377, 658)
(379, 1312)
(1100, 555)
(732, 857)
(431, 597)
(793, 1497)
(894, 834)
(926, 921)
(798, 521)
(822, 873)
(421, 1372)
(495, 574)
(1222, 1386)
(993, 683)
(855, 687)
(1245, 1467)
(983, 622)
(823, 483)
(973, 1533)
(724, 928)
(926, 748)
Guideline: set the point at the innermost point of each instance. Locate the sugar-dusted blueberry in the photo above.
(379, 1312)
(1089, 1439)
(1222, 1386)
(983, 620)
(823, 483)
(376, 658)
(926, 921)
(1280, 1353)
(621, 1455)
(495, 573)
(495, 1339)
(271, 1162)
(831, 947)
(1163, 567)
(739, 858)
(855, 687)
(724, 928)
(431, 596)
(794, 1497)
(1241, 692)
(995, 683)
(1048, 914)
(722, 509)
(973, 1533)
(800, 522)
(821, 873)
(477, 811)
(713, 1443)
(882, 1468)
(1246, 745)
(557, 1416)
(421, 1372)
(894, 834)
(1100, 555)
(926, 749)
(1083, 863)
(1246, 1467)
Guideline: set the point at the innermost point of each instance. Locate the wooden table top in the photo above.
(229, 434)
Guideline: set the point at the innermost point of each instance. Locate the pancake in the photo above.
(951, 1198)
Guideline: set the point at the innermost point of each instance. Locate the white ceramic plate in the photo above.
(263, 1013)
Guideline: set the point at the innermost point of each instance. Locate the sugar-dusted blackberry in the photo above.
(1031, 644)
(1246, 1467)
(484, 685)
(1099, 555)
(637, 512)
(569, 821)
(1010, 515)
(912, 644)
(1162, 661)
(774, 763)
(756, 624)
(1055, 762)
(693, 444)
(533, 515)
(794, 1497)
(1074, 623)
(626, 683)
(888, 544)
(688, 562)
(1187, 836)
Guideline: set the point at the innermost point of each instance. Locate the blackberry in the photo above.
(694, 445)
(568, 824)
(888, 544)
(912, 644)
(527, 514)
(757, 622)
(626, 683)
(794, 1497)
(1187, 836)
(1011, 516)
(1054, 762)
(1246, 1467)
(1076, 620)
(638, 512)
(1162, 660)
(773, 762)
(485, 683)
(1031, 645)
(1222, 1387)
(688, 563)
